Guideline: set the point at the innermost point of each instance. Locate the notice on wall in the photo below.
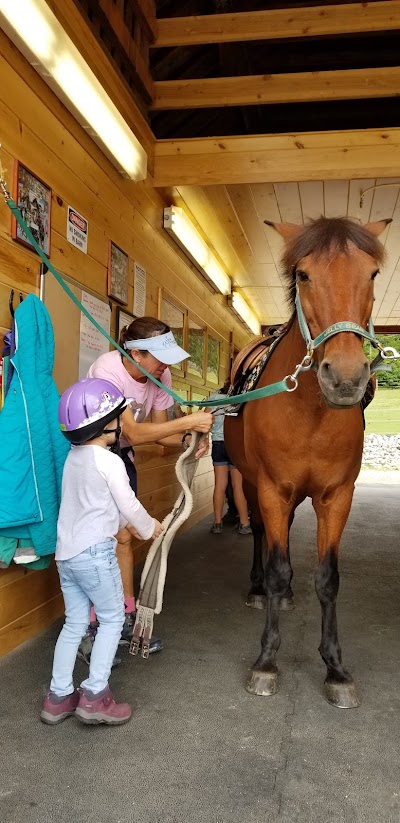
(77, 230)
(139, 290)
(92, 342)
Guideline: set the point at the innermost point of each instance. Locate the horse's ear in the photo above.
(287, 230)
(377, 228)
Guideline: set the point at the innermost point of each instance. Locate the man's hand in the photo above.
(200, 421)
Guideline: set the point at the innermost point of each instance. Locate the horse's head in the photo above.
(330, 265)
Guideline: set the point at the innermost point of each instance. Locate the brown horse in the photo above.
(308, 442)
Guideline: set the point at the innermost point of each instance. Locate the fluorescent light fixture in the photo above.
(244, 312)
(178, 225)
(35, 30)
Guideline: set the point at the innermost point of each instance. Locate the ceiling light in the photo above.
(244, 312)
(39, 35)
(178, 225)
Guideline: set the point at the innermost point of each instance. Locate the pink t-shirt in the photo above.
(146, 395)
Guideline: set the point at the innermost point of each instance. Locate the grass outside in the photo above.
(383, 415)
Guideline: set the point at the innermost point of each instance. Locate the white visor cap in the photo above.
(162, 346)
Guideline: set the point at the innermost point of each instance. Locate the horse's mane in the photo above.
(327, 235)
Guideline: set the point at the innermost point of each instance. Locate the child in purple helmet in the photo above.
(96, 502)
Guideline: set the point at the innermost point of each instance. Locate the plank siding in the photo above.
(37, 130)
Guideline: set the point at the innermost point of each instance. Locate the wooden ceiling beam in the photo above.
(299, 87)
(128, 44)
(272, 24)
(273, 158)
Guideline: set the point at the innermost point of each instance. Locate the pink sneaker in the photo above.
(55, 709)
(102, 708)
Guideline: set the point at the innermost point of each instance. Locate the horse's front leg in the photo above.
(257, 598)
(332, 512)
(263, 678)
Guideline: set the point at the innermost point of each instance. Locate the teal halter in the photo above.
(336, 328)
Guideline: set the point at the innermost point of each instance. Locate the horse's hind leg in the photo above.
(332, 513)
(256, 598)
(287, 599)
(263, 679)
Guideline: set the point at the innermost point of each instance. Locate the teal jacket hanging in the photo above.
(33, 450)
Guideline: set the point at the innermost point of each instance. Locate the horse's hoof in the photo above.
(342, 695)
(256, 601)
(262, 683)
(287, 604)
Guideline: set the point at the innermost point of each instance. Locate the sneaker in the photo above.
(244, 529)
(101, 708)
(86, 645)
(155, 645)
(216, 528)
(55, 709)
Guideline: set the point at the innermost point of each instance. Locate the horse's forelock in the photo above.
(325, 235)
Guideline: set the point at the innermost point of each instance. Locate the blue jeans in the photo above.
(91, 577)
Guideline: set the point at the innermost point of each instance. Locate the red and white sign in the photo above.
(77, 230)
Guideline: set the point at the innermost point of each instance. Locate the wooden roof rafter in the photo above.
(253, 90)
(314, 21)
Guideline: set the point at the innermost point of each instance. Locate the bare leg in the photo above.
(221, 482)
(238, 496)
(332, 515)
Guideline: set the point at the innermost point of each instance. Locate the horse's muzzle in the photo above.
(343, 388)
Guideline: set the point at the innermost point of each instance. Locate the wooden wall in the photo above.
(36, 129)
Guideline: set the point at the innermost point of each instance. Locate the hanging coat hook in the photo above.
(11, 303)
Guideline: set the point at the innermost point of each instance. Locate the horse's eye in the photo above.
(302, 276)
(373, 275)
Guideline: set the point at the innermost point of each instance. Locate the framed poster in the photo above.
(124, 318)
(196, 349)
(33, 199)
(213, 357)
(174, 315)
(118, 274)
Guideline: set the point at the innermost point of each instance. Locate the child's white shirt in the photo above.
(96, 502)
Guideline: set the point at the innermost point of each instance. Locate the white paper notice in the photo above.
(92, 342)
(139, 290)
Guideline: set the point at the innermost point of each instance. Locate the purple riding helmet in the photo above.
(86, 408)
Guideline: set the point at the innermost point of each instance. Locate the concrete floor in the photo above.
(199, 748)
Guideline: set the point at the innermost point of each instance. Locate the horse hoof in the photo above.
(256, 601)
(342, 695)
(262, 683)
(287, 604)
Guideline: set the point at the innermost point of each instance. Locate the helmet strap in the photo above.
(116, 447)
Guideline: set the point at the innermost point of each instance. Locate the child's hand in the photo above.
(158, 529)
(133, 532)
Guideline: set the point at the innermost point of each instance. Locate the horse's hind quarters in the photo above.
(263, 684)
(342, 695)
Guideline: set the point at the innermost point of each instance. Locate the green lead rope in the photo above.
(256, 394)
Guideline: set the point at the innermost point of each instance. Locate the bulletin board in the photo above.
(66, 320)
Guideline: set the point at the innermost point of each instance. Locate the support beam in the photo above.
(128, 44)
(275, 158)
(299, 87)
(316, 21)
